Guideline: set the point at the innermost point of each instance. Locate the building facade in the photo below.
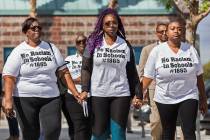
(62, 20)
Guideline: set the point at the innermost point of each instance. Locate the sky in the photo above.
(204, 33)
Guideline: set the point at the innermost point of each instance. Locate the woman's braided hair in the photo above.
(96, 37)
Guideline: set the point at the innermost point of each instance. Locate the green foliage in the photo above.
(206, 69)
(167, 3)
(204, 5)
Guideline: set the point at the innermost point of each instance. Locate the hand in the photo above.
(203, 106)
(136, 102)
(7, 106)
(77, 96)
(83, 95)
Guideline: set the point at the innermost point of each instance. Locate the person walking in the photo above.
(78, 115)
(30, 77)
(12, 121)
(177, 70)
(155, 124)
(109, 74)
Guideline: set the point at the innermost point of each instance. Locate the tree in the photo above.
(113, 4)
(192, 12)
(33, 12)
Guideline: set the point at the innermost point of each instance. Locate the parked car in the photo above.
(205, 121)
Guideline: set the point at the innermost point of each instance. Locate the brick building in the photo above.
(63, 19)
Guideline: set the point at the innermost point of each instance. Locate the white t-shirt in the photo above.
(109, 78)
(34, 69)
(175, 73)
(74, 66)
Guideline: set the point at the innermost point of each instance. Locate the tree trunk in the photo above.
(33, 12)
(190, 32)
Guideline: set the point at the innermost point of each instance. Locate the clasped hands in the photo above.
(137, 102)
(80, 97)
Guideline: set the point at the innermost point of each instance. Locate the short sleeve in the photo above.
(149, 70)
(197, 61)
(13, 64)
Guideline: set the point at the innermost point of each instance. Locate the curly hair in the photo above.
(96, 37)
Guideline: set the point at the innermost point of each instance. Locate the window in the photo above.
(71, 51)
(7, 52)
(137, 52)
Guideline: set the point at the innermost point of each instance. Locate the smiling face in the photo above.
(81, 43)
(34, 32)
(110, 25)
(175, 32)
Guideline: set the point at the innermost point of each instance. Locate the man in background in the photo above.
(156, 128)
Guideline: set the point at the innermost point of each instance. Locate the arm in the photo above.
(86, 72)
(77, 80)
(146, 82)
(66, 78)
(132, 76)
(202, 96)
(7, 102)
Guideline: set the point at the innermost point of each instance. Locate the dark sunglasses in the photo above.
(161, 31)
(33, 28)
(110, 23)
(83, 41)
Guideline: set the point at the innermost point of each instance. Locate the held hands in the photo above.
(80, 97)
(137, 103)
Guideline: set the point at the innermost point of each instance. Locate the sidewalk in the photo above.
(137, 135)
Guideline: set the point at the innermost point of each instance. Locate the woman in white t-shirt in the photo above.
(29, 76)
(177, 70)
(109, 74)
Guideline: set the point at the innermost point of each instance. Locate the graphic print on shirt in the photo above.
(109, 55)
(177, 65)
(36, 58)
(74, 65)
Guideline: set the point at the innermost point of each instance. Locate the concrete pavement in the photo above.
(137, 135)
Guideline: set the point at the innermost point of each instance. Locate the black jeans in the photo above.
(110, 114)
(168, 114)
(13, 126)
(67, 116)
(33, 110)
(81, 125)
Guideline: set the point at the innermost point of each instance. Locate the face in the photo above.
(110, 25)
(80, 44)
(175, 32)
(34, 32)
(161, 33)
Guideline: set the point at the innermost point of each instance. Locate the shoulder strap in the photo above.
(52, 51)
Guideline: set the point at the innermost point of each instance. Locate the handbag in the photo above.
(62, 86)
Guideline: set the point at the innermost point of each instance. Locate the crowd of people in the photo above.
(103, 83)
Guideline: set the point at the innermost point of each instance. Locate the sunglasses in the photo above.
(161, 31)
(83, 41)
(33, 28)
(110, 23)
